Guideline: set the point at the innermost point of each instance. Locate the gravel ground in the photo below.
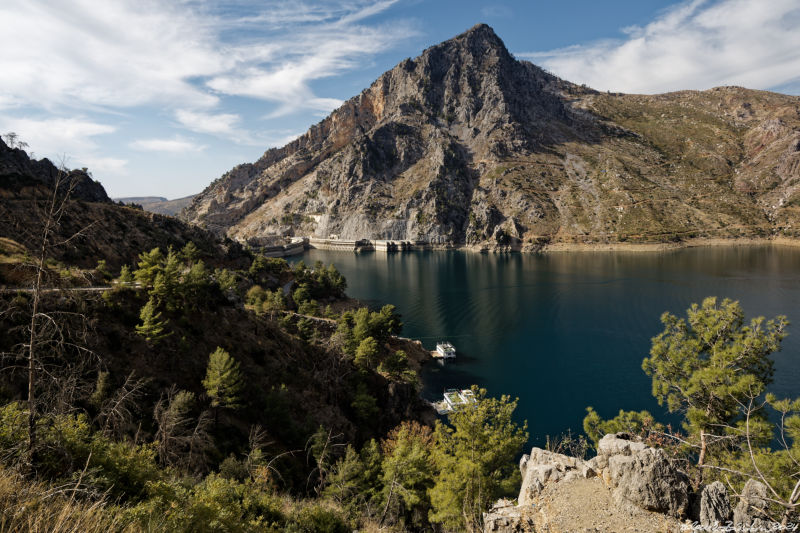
(585, 505)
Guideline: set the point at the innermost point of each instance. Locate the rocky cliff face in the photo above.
(466, 145)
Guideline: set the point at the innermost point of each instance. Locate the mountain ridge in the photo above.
(465, 145)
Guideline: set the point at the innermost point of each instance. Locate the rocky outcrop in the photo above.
(626, 478)
(506, 517)
(18, 170)
(715, 508)
(750, 511)
(465, 145)
(542, 467)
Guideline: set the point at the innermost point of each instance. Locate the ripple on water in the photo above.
(563, 331)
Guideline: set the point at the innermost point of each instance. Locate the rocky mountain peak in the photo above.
(464, 144)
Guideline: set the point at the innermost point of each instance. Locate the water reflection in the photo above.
(566, 330)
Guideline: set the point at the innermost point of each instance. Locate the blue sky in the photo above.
(161, 98)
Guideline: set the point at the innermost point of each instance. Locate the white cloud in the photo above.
(696, 45)
(127, 53)
(176, 145)
(116, 54)
(103, 167)
(68, 141)
(57, 135)
(201, 122)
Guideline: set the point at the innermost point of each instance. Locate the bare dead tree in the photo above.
(182, 440)
(322, 447)
(116, 412)
(51, 331)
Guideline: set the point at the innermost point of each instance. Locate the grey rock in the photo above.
(715, 508)
(619, 444)
(505, 517)
(749, 512)
(649, 481)
(542, 467)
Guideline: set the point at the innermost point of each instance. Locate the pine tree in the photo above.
(637, 423)
(474, 457)
(223, 381)
(195, 285)
(166, 285)
(407, 474)
(707, 365)
(152, 327)
(190, 253)
(125, 275)
(149, 265)
(367, 353)
(355, 480)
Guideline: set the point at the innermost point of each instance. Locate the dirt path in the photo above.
(585, 505)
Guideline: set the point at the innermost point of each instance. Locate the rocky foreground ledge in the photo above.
(628, 486)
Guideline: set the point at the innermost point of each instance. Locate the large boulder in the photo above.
(640, 476)
(750, 512)
(715, 508)
(649, 481)
(542, 467)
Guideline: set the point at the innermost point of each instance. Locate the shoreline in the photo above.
(670, 246)
(565, 247)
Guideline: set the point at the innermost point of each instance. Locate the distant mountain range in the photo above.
(159, 204)
(466, 145)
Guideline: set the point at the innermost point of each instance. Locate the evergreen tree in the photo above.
(364, 403)
(309, 307)
(335, 282)
(223, 381)
(102, 269)
(355, 481)
(125, 275)
(166, 285)
(396, 365)
(152, 327)
(474, 457)
(407, 474)
(707, 365)
(190, 253)
(274, 302)
(225, 279)
(149, 265)
(255, 296)
(392, 323)
(638, 423)
(367, 353)
(301, 294)
(195, 285)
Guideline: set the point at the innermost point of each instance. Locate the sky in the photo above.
(162, 97)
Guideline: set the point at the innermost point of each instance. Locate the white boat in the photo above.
(445, 350)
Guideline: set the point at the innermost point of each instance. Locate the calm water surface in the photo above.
(566, 330)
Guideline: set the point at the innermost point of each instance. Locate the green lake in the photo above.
(566, 330)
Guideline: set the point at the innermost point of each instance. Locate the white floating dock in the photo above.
(453, 399)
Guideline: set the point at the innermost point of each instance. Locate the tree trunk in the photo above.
(793, 499)
(701, 460)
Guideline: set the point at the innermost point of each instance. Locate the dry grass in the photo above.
(35, 507)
